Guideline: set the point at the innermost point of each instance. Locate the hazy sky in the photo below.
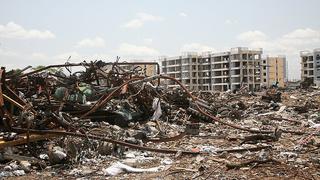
(37, 32)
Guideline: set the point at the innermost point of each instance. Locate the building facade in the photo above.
(184, 68)
(310, 66)
(216, 71)
(273, 70)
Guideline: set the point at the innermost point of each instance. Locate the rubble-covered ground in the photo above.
(128, 127)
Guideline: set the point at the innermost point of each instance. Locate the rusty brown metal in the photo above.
(23, 139)
(84, 64)
(5, 115)
(2, 80)
(174, 138)
(218, 119)
(133, 146)
(13, 101)
(103, 100)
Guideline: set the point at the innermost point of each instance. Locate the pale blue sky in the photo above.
(47, 32)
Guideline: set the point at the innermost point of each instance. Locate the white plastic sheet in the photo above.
(118, 168)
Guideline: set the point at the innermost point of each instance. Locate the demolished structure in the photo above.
(113, 119)
(310, 66)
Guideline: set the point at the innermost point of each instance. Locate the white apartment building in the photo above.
(310, 65)
(215, 71)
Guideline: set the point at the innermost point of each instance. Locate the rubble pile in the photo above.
(107, 121)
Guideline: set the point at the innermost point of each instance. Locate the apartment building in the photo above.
(215, 71)
(310, 65)
(184, 68)
(274, 69)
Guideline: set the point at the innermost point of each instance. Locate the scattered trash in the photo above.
(25, 165)
(56, 122)
(157, 107)
(56, 155)
(19, 172)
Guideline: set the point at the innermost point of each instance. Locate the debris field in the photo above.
(107, 121)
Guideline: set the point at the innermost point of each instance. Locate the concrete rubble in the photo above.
(111, 122)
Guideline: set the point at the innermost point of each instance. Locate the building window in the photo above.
(185, 68)
(194, 74)
(185, 75)
(185, 61)
(264, 74)
(172, 62)
(264, 80)
(310, 58)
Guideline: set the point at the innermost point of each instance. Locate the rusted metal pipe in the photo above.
(133, 146)
(13, 102)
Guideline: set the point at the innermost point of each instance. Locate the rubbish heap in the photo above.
(110, 121)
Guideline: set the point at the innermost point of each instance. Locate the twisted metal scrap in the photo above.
(103, 102)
